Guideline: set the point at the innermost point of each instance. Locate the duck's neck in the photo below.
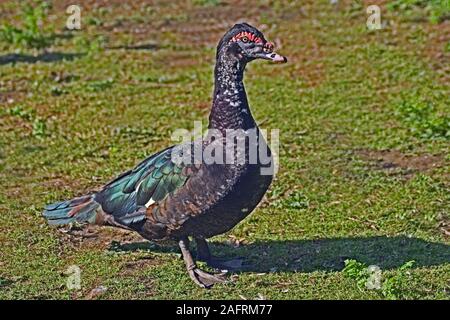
(230, 108)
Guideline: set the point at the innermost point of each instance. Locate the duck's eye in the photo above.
(244, 39)
(267, 49)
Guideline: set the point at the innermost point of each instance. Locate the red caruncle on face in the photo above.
(250, 36)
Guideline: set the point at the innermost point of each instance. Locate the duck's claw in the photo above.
(205, 279)
(200, 277)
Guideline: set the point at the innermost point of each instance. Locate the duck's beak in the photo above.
(271, 56)
(274, 57)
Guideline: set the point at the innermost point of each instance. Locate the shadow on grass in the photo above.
(43, 57)
(146, 46)
(321, 254)
(5, 282)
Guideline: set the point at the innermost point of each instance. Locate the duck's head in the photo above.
(246, 43)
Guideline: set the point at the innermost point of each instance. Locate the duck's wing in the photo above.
(127, 197)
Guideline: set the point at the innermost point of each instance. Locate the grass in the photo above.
(436, 10)
(32, 34)
(424, 119)
(396, 285)
(70, 125)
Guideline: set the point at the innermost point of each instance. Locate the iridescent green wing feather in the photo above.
(126, 197)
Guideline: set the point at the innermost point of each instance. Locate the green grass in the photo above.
(207, 2)
(69, 125)
(436, 10)
(33, 33)
(396, 285)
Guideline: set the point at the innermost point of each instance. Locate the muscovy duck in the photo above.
(166, 199)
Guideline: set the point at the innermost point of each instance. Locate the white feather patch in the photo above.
(149, 203)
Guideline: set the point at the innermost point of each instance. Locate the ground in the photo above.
(364, 147)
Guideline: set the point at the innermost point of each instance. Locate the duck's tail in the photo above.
(82, 209)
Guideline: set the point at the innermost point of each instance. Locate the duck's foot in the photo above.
(200, 277)
(205, 279)
(204, 254)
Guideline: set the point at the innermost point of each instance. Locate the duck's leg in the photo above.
(204, 254)
(200, 277)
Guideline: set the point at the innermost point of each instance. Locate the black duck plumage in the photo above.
(163, 199)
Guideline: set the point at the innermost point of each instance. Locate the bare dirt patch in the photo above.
(10, 97)
(444, 226)
(203, 25)
(131, 267)
(204, 105)
(308, 63)
(53, 181)
(393, 160)
(193, 26)
(96, 237)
